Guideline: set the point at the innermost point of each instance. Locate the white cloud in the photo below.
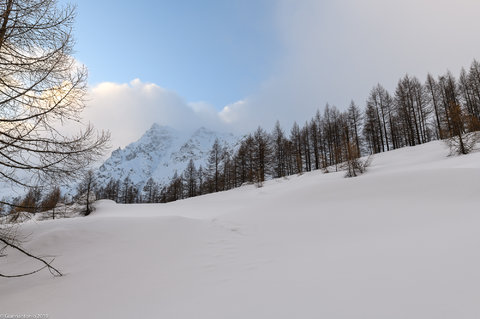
(235, 112)
(127, 110)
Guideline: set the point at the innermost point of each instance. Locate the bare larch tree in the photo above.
(42, 88)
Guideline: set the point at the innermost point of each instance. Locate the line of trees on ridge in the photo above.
(445, 108)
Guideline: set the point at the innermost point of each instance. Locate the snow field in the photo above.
(401, 241)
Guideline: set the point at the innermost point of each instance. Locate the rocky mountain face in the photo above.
(161, 152)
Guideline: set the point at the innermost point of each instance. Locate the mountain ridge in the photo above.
(160, 152)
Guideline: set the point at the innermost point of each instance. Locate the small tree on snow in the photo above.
(51, 200)
(85, 190)
(215, 159)
(460, 142)
(354, 164)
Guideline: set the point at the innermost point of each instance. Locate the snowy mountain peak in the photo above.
(160, 152)
(161, 129)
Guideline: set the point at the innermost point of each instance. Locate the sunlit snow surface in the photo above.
(402, 241)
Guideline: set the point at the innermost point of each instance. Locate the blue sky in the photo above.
(232, 65)
(210, 50)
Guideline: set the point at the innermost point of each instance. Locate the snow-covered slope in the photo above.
(401, 241)
(160, 152)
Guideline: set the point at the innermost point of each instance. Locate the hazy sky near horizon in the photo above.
(233, 65)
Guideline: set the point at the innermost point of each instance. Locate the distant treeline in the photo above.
(414, 114)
